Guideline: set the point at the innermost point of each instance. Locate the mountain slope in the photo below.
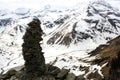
(109, 54)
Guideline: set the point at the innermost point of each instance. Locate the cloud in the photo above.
(35, 4)
(41, 4)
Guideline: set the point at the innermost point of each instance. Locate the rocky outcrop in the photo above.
(109, 54)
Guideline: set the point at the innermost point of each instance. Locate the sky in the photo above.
(41, 4)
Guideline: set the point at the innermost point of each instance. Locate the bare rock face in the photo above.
(34, 59)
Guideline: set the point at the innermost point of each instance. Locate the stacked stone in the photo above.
(32, 52)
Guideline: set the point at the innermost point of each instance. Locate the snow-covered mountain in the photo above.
(71, 30)
(99, 22)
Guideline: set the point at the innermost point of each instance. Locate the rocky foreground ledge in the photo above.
(52, 73)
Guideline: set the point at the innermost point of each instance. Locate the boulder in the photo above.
(80, 77)
(8, 75)
(62, 73)
(70, 76)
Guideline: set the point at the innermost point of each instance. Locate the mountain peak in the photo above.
(101, 22)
